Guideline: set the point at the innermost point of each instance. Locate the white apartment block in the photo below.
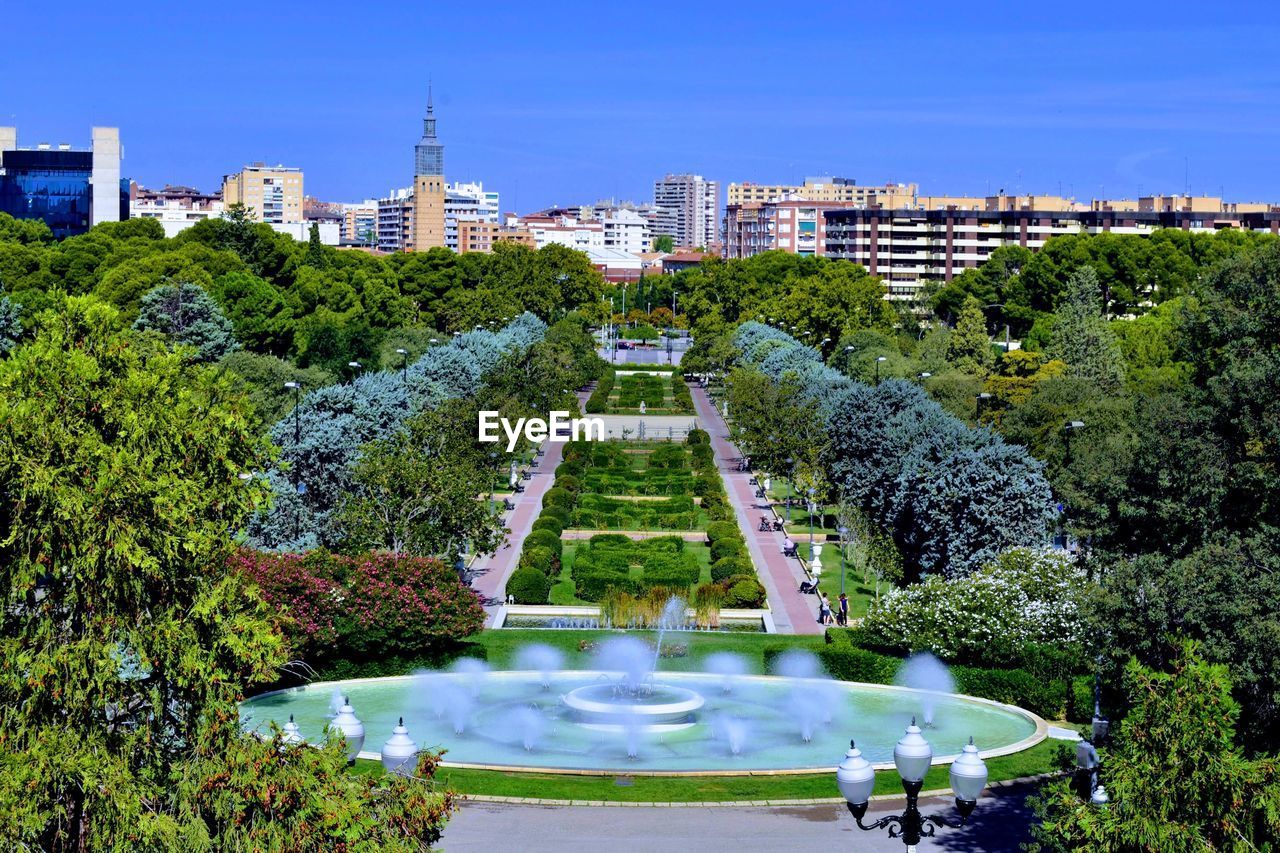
(626, 231)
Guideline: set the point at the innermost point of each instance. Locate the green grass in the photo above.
(1041, 758)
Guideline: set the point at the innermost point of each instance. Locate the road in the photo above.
(1000, 823)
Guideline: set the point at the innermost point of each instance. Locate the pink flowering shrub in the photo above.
(356, 607)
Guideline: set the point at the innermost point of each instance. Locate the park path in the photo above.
(489, 575)
(793, 613)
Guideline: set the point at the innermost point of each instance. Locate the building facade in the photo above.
(428, 186)
(273, 194)
(176, 208)
(467, 202)
(561, 226)
(482, 236)
(688, 210)
(626, 231)
(70, 189)
(395, 221)
(797, 227)
(827, 189)
(909, 248)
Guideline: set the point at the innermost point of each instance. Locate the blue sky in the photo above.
(562, 103)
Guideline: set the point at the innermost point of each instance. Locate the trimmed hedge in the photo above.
(545, 522)
(608, 560)
(744, 591)
(729, 567)
(1046, 697)
(599, 399)
(540, 558)
(722, 548)
(545, 539)
(556, 496)
(529, 586)
(721, 530)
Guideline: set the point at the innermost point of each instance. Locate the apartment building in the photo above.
(482, 236)
(360, 223)
(176, 208)
(395, 221)
(688, 208)
(797, 227)
(273, 194)
(909, 248)
(826, 189)
(626, 231)
(467, 202)
(561, 225)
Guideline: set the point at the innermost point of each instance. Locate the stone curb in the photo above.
(820, 801)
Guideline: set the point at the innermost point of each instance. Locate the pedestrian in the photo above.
(824, 609)
(843, 617)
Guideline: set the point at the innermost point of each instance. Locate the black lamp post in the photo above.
(298, 487)
(1068, 429)
(912, 756)
(879, 359)
(982, 398)
(404, 362)
(812, 506)
(844, 533)
(791, 484)
(923, 376)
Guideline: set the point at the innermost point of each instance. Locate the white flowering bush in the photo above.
(1024, 596)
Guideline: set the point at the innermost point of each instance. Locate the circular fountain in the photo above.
(623, 717)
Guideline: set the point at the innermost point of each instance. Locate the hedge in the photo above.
(744, 591)
(599, 399)
(722, 548)
(559, 513)
(847, 662)
(540, 558)
(544, 539)
(529, 586)
(728, 567)
(556, 496)
(721, 530)
(545, 522)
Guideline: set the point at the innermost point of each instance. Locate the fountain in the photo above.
(624, 715)
(925, 673)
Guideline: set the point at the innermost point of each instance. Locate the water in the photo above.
(622, 716)
(922, 671)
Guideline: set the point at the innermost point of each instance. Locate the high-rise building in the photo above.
(395, 221)
(688, 210)
(428, 186)
(797, 227)
(70, 189)
(626, 231)
(273, 194)
(360, 223)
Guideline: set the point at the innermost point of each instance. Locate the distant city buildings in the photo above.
(395, 221)
(687, 210)
(70, 189)
(175, 207)
(467, 202)
(482, 236)
(938, 239)
(827, 189)
(428, 186)
(273, 194)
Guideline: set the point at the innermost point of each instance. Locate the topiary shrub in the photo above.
(743, 591)
(721, 530)
(592, 586)
(571, 468)
(529, 586)
(722, 548)
(542, 559)
(558, 497)
(559, 513)
(569, 483)
(728, 567)
(698, 436)
(544, 539)
(552, 524)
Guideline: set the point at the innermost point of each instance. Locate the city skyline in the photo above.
(956, 105)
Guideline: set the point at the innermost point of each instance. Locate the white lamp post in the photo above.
(912, 756)
(351, 729)
(399, 751)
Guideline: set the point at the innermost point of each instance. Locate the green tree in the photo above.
(10, 324)
(1176, 779)
(186, 315)
(1081, 336)
(315, 256)
(415, 492)
(968, 346)
(664, 243)
(127, 644)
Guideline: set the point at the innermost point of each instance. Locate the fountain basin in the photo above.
(757, 716)
(654, 708)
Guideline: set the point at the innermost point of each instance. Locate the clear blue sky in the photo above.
(560, 103)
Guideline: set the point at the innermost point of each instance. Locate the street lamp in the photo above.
(298, 487)
(1068, 428)
(856, 779)
(812, 507)
(791, 484)
(404, 362)
(879, 359)
(982, 398)
(925, 375)
(844, 533)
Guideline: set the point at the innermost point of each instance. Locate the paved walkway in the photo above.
(793, 613)
(1000, 823)
(489, 575)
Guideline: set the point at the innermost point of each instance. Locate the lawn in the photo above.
(657, 389)
(1041, 758)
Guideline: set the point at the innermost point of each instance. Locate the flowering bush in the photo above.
(355, 607)
(1023, 596)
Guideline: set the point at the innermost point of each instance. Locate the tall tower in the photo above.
(428, 185)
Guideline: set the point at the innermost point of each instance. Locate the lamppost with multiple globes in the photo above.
(912, 755)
